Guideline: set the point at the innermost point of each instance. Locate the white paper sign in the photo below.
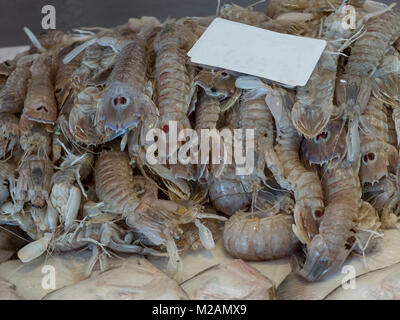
(242, 48)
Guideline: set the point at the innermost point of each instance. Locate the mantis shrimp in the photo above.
(156, 220)
(354, 87)
(219, 95)
(330, 247)
(289, 171)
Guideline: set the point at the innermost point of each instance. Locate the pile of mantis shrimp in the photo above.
(75, 109)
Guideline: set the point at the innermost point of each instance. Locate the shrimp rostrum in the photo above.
(125, 100)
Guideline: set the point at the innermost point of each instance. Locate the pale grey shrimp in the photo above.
(229, 191)
(64, 74)
(114, 180)
(377, 154)
(327, 146)
(315, 101)
(254, 114)
(305, 184)
(355, 86)
(40, 103)
(174, 83)
(330, 247)
(12, 95)
(174, 78)
(293, 176)
(156, 220)
(125, 100)
(208, 112)
(366, 54)
(219, 94)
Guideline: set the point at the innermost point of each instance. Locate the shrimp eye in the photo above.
(225, 75)
(323, 136)
(58, 90)
(165, 128)
(213, 89)
(120, 101)
(318, 213)
(370, 156)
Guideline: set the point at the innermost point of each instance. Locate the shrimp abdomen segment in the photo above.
(250, 237)
(114, 181)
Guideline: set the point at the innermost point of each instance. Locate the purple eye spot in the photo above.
(371, 156)
(318, 213)
(323, 135)
(165, 128)
(120, 100)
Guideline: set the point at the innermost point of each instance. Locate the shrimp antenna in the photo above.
(378, 13)
(256, 3)
(84, 32)
(13, 233)
(331, 5)
(71, 56)
(344, 3)
(218, 8)
(35, 41)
